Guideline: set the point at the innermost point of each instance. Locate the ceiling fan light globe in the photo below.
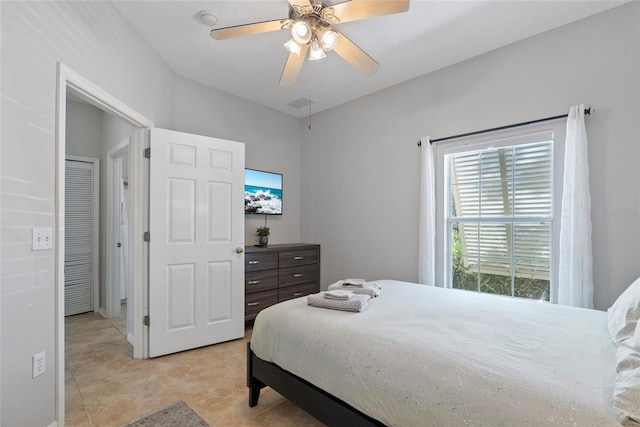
(329, 38)
(315, 51)
(293, 47)
(301, 32)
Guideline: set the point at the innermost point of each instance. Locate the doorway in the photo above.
(120, 295)
(96, 216)
(70, 82)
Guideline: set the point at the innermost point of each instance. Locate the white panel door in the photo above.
(196, 223)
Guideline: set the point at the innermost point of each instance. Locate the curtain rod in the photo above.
(587, 111)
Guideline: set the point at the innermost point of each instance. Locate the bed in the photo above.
(421, 355)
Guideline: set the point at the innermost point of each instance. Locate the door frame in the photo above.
(95, 247)
(69, 80)
(114, 174)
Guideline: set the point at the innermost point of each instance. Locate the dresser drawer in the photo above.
(277, 273)
(298, 257)
(260, 261)
(257, 301)
(297, 291)
(296, 275)
(255, 281)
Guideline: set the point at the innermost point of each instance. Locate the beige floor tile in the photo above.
(120, 323)
(105, 386)
(234, 409)
(79, 419)
(286, 414)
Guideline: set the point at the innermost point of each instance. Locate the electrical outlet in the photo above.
(38, 364)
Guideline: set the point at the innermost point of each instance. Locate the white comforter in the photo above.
(422, 356)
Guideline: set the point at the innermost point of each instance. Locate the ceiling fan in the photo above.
(312, 26)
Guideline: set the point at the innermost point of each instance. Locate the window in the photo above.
(499, 218)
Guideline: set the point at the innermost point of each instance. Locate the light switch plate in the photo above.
(41, 238)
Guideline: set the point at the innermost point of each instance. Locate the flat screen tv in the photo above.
(262, 192)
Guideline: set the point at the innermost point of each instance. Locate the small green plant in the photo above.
(263, 231)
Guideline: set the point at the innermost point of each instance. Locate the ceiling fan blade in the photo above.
(293, 66)
(300, 3)
(355, 56)
(361, 9)
(246, 29)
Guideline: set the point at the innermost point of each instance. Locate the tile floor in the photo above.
(105, 386)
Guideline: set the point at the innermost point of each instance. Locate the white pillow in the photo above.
(626, 394)
(626, 390)
(623, 315)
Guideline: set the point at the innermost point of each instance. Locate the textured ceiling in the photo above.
(430, 36)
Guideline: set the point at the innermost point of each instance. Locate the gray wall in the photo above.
(272, 143)
(84, 130)
(361, 166)
(94, 40)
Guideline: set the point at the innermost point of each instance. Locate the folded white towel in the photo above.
(369, 288)
(354, 282)
(356, 303)
(338, 294)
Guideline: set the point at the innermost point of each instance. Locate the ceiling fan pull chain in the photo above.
(310, 125)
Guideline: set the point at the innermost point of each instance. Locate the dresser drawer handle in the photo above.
(298, 275)
(254, 262)
(298, 258)
(253, 304)
(253, 282)
(297, 294)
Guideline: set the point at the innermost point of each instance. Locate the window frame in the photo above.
(554, 130)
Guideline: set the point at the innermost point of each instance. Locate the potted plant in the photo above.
(263, 235)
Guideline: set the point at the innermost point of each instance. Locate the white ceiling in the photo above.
(430, 36)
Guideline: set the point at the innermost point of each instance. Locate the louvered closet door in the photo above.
(78, 244)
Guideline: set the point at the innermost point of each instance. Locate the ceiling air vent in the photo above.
(305, 101)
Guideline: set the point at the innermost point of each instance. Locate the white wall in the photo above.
(94, 40)
(272, 143)
(360, 162)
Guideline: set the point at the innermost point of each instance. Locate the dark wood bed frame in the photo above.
(326, 408)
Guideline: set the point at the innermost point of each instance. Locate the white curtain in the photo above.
(575, 269)
(427, 226)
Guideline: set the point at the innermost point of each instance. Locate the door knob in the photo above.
(239, 250)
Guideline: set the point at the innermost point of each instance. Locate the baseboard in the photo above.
(103, 313)
(130, 338)
(53, 424)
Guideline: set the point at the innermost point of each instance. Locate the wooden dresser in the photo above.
(277, 273)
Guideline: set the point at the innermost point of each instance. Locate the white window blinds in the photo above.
(500, 218)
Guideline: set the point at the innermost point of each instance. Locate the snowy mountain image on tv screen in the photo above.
(262, 192)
